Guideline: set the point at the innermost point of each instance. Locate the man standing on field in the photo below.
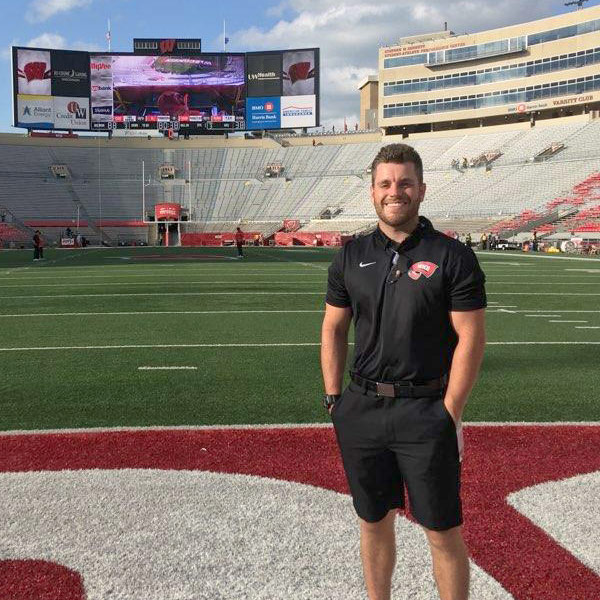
(417, 299)
(239, 242)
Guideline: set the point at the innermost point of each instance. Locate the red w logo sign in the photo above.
(422, 268)
(167, 46)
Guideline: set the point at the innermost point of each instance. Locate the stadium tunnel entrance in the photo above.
(167, 232)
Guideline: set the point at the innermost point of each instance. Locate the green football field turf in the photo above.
(77, 327)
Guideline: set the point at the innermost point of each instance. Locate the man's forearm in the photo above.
(334, 348)
(463, 373)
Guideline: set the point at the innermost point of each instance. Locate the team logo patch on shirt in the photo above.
(422, 268)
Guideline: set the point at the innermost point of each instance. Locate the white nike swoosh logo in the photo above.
(362, 264)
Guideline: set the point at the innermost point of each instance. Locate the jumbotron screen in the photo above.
(180, 92)
(59, 89)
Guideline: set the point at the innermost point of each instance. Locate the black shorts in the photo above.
(388, 444)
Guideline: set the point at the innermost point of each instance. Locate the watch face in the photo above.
(329, 400)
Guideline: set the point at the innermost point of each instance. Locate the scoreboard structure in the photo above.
(165, 85)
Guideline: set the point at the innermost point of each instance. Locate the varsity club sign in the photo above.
(257, 512)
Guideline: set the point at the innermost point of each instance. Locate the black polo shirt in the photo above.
(401, 295)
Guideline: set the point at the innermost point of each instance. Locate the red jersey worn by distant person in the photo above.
(239, 237)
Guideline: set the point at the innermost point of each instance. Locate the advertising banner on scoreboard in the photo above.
(101, 91)
(299, 73)
(263, 113)
(70, 74)
(34, 111)
(263, 74)
(34, 72)
(71, 113)
(292, 79)
(298, 111)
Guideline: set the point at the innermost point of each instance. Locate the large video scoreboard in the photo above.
(201, 93)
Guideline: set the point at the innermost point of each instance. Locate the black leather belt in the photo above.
(402, 389)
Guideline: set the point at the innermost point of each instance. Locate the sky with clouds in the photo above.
(349, 32)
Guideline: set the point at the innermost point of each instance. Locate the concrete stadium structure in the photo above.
(544, 69)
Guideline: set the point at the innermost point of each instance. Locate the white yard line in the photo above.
(86, 430)
(141, 346)
(246, 293)
(539, 256)
(245, 312)
(162, 282)
(163, 276)
(253, 293)
(167, 368)
(587, 327)
(488, 282)
(161, 312)
(256, 345)
(549, 275)
(544, 293)
(561, 311)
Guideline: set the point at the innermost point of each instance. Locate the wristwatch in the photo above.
(329, 400)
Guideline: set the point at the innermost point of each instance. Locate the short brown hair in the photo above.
(399, 154)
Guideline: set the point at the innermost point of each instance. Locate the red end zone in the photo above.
(499, 460)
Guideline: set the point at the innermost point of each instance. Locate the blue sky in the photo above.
(348, 32)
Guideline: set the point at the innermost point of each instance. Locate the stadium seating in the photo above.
(229, 183)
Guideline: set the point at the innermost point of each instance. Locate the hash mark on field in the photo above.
(542, 315)
(556, 321)
(586, 327)
(167, 368)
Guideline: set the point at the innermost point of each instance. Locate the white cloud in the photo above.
(52, 40)
(87, 46)
(278, 10)
(349, 34)
(58, 42)
(42, 10)
(48, 40)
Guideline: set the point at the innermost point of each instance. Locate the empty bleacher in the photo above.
(228, 182)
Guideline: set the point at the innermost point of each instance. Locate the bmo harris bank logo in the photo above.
(268, 107)
(263, 112)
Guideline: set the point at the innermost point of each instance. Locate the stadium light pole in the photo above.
(143, 193)
(189, 190)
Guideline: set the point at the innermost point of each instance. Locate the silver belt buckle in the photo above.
(386, 389)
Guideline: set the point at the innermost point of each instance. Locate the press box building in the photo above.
(539, 70)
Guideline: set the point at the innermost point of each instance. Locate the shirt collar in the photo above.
(424, 226)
